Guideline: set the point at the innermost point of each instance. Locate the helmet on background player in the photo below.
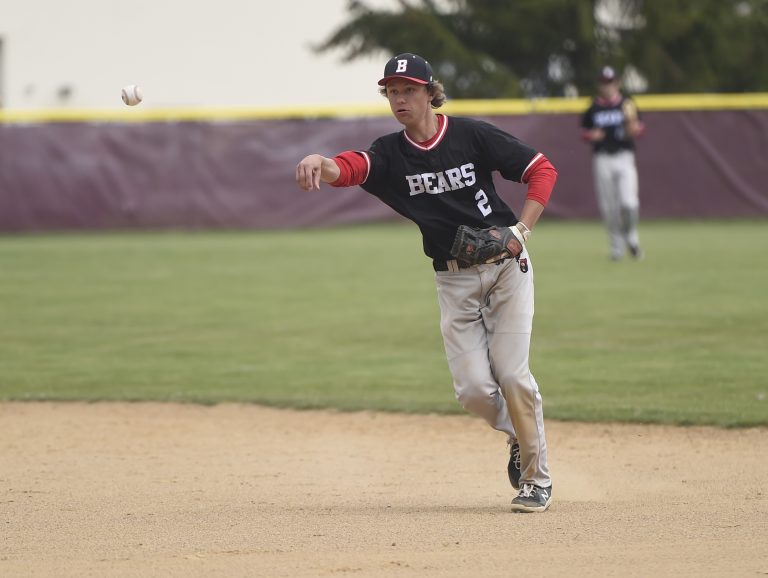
(607, 74)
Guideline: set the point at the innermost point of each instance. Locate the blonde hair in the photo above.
(434, 88)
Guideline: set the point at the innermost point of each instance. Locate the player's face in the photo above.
(608, 89)
(409, 101)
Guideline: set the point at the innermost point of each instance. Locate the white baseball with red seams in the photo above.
(132, 95)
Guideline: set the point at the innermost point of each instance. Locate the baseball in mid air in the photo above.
(132, 95)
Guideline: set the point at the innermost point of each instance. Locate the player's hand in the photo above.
(596, 134)
(308, 172)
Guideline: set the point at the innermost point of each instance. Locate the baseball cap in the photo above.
(408, 66)
(607, 74)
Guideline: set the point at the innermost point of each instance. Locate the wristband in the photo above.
(524, 230)
(518, 235)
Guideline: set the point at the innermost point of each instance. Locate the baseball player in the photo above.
(437, 172)
(611, 124)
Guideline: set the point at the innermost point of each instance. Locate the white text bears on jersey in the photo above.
(440, 182)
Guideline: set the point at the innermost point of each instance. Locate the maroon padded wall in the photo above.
(53, 176)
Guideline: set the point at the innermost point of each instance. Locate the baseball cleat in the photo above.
(636, 252)
(532, 499)
(513, 467)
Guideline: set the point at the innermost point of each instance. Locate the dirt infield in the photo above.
(235, 490)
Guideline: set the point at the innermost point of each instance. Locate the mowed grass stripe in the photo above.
(348, 318)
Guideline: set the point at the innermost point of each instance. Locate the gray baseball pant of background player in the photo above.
(616, 185)
(486, 321)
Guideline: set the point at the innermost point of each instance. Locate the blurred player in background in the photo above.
(437, 172)
(611, 124)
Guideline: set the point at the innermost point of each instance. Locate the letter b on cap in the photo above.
(402, 65)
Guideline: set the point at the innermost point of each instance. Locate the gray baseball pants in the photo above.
(486, 320)
(616, 186)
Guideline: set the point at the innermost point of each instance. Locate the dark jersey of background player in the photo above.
(608, 115)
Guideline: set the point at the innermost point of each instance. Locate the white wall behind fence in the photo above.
(79, 53)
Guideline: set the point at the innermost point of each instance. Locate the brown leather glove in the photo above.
(474, 246)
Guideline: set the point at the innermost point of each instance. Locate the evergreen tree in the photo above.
(513, 48)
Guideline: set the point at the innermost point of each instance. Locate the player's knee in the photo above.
(472, 397)
(473, 382)
(517, 384)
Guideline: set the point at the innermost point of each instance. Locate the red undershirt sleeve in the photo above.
(541, 177)
(353, 169)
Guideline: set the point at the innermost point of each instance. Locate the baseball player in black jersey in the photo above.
(437, 172)
(611, 124)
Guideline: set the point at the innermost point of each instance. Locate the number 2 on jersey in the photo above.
(482, 203)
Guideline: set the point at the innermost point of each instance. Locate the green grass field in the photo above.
(292, 319)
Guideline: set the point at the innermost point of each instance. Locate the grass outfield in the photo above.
(348, 318)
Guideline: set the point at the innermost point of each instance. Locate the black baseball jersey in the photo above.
(448, 182)
(608, 116)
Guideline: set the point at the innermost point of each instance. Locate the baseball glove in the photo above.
(473, 246)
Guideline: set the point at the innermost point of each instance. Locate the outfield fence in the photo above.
(702, 156)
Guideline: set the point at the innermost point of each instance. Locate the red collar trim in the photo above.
(608, 101)
(442, 126)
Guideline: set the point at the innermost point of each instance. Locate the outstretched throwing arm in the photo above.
(314, 169)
